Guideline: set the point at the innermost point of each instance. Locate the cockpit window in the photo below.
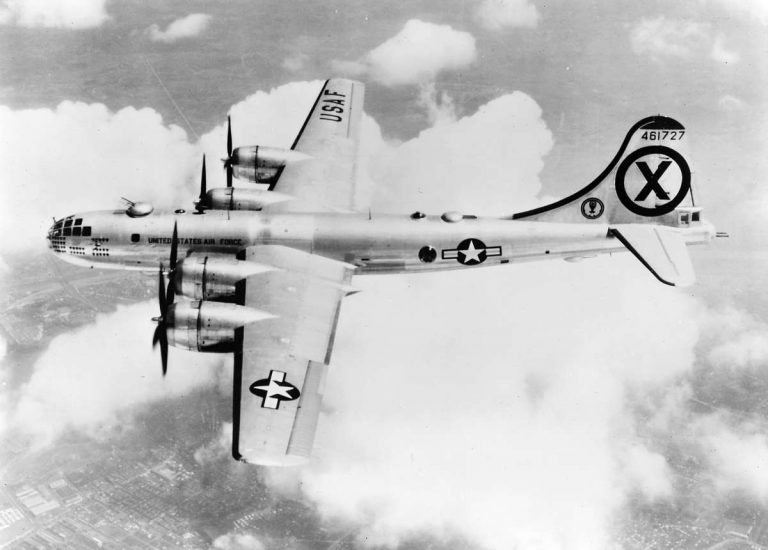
(76, 231)
(68, 223)
(79, 221)
(87, 231)
(67, 231)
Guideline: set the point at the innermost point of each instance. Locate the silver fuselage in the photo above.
(378, 243)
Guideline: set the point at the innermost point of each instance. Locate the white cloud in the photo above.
(295, 62)
(440, 107)
(752, 10)
(737, 454)
(68, 14)
(731, 103)
(88, 378)
(184, 27)
(660, 37)
(647, 472)
(489, 402)
(496, 154)
(494, 401)
(84, 158)
(722, 54)
(415, 55)
(736, 341)
(242, 541)
(497, 14)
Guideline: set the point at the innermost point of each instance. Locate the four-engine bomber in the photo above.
(262, 272)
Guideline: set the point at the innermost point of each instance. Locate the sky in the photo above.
(525, 406)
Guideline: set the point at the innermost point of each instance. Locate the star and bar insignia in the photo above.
(274, 389)
(471, 252)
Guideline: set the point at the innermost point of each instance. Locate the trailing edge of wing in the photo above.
(660, 249)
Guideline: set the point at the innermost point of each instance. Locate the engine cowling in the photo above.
(259, 164)
(208, 326)
(234, 198)
(211, 276)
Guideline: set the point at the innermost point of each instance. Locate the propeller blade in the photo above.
(171, 292)
(229, 136)
(174, 246)
(203, 189)
(161, 291)
(156, 335)
(164, 350)
(228, 163)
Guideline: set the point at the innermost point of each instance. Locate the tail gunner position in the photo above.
(262, 272)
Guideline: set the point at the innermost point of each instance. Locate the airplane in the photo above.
(261, 272)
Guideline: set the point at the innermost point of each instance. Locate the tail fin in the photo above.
(644, 183)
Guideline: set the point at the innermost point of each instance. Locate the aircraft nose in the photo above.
(55, 240)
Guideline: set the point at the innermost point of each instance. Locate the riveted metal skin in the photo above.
(374, 244)
(259, 164)
(208, 326)
(212, 277)
(238, 198)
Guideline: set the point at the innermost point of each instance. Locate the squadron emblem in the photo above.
(592, 208)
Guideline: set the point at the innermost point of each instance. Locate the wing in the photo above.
(327, 179)
(280, 363)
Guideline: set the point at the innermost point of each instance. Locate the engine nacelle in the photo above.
(259, 164)
(211, 276)
(234, 198)
(208, 326)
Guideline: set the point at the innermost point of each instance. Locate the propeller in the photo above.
(165, 298)
(200, 203)
(228, 160)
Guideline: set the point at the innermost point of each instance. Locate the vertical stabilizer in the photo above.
(644, 183)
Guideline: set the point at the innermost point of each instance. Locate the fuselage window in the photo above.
(684, 219)
(76, 231)
(696, 216)
(79, 221)
(135, 237)
(87, 231)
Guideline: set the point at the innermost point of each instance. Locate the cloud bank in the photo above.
(493, 404)
(660, 37)
(65, 14)
(498, 14)
(88, 379)
(184, 27)
(415, 55)
(84, 158)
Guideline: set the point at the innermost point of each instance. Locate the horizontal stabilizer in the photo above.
(661, 249)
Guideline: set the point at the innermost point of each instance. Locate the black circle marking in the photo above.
(471, 251)
(427, 254)
(685, 184)
(592, 208)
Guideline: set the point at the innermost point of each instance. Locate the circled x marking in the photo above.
(652, 183)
